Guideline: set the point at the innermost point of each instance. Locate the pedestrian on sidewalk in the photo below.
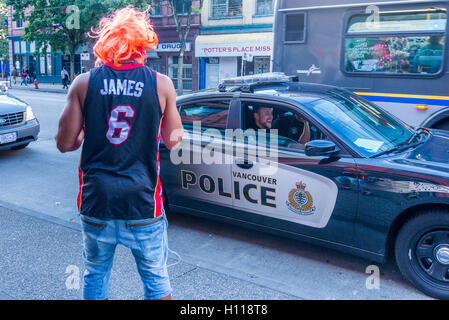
(65, 78)
(14, 74)
(24, 76)
(120, 199)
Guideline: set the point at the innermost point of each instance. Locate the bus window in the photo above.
(428, 20)
(396, 50)
(295, 26)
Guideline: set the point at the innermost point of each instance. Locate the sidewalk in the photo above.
(43, 87)
(48, 87)
(40, 258)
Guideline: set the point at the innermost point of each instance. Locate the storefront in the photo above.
(230, 55)
(46, 67)
(164, 59)
(23, 55)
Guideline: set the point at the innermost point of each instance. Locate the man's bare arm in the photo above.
(305, 136)
(172, 129)
(70, 132)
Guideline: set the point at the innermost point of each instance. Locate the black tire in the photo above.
(23, 146)
(421, 251)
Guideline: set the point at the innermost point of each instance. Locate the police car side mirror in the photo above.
(321, 148)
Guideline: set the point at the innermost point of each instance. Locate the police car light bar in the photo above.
(245, 82)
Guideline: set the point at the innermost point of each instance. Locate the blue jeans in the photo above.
(147, 240)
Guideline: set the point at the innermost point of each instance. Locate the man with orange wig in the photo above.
(120, 110)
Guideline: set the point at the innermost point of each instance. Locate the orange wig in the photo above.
(124, 35)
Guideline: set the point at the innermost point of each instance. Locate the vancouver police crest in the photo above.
(300, 201)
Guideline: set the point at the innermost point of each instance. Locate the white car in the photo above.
(18, 124)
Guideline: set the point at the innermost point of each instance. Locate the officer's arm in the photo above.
(171, 129)
(70, 132)
(305, 136)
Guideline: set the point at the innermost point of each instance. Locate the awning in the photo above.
(234, 45)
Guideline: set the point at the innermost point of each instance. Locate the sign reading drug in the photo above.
(172, 47)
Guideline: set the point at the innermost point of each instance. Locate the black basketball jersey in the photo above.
(119, 166)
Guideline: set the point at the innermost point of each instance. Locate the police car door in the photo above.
(290, 191)
(197, 175)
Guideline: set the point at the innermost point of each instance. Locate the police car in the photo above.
(316, 163)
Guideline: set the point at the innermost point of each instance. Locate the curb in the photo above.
(192, 260)
(40, 215)
(49, 90)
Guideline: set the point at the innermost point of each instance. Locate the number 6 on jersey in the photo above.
(119, 130)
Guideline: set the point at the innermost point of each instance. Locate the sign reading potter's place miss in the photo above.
(252, 49)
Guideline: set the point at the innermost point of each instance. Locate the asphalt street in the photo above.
(40, 242)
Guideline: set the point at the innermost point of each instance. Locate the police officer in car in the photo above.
(263, 117)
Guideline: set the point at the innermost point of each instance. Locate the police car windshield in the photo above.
(368, 128)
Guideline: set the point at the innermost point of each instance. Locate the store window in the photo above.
(23, 47)
(182, 6)
(16, 47)
(295, 27)
(256, 65)
(49, 65)
(155, 64)
(156, 8)
(45, 61)
(261, 65)
(212, 72)
(42, 65)
(399, 43)
(186, 74)
(226, 8)
(264, 7)
(32, 47)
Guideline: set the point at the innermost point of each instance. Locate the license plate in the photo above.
(8, 138)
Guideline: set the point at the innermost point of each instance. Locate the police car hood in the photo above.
(431, 157)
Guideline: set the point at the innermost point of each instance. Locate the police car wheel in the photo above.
(422, 252)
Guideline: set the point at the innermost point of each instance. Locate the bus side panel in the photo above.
(323, 49)
(320, 59)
